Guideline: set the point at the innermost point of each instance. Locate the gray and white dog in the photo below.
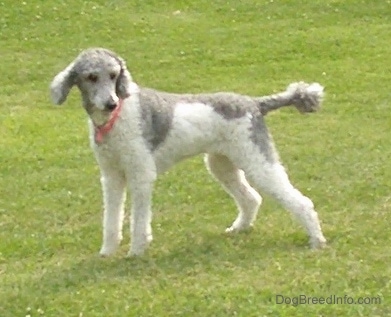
(137, 133)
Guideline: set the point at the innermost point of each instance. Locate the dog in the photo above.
(137, 133)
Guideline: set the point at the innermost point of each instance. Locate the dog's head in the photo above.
(100, 75)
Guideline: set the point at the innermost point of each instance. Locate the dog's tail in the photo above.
(305, 97)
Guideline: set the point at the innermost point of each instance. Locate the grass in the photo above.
(50, 200)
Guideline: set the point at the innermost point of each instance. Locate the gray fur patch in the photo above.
(232, 106)
(157, 111)
(261, 137)
(229, 105)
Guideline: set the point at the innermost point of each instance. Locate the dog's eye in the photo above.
(92, 78)
(113, 76)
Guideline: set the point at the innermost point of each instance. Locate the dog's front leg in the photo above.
(141, 217)
(113, 186)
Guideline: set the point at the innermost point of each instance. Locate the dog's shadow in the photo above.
(212, 252)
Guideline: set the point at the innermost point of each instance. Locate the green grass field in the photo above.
(50, 197)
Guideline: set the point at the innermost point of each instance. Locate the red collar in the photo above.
(102, 130)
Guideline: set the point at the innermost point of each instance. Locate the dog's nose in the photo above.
(111, 106)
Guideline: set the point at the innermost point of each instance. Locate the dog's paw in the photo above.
(111, 243)
(236, 228)
(106, 251)
(230, 230)
(136, 252)
(138, 248)
(318, 243)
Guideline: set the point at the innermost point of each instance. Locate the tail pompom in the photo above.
(306, 97)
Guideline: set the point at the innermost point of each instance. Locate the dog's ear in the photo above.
(123, 81)
(62, 84)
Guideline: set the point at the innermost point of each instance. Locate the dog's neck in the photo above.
(104, 121)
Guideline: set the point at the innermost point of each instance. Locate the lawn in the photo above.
(50, 197)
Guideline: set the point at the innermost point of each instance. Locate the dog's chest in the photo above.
(120, 146)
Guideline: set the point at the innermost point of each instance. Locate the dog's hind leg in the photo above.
(272, 179)
(234, 182)
(113, 186)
